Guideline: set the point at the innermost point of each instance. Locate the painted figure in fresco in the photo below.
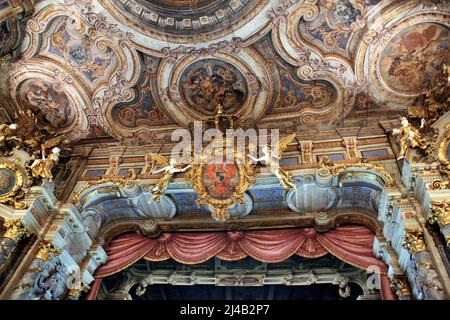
(43, 167)
(169, 169)
(344, 12)
(53, 104)
(414, 58)
(209, 83)
(272, 160)
(410, 137)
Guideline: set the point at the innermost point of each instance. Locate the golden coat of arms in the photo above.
(222, 172)
(221, 184)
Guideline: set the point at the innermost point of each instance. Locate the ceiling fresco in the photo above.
(412, 58)
(133, 70)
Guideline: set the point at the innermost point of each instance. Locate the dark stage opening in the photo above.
(266, 292)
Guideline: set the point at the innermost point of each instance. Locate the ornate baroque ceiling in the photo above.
(136, 69)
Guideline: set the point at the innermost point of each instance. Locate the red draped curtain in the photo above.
(350, 243)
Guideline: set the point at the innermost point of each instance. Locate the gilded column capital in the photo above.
(15, 230)
(401, 287)
(439, 212)
(413, 240)
(47, 249)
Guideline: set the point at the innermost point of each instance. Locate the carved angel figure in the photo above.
(272, 160)
(169, 168)
(6, 136)
(410, 137)
(43, 167)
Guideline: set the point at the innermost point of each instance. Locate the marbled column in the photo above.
(422, 267)
(15, 230)
(45, 278)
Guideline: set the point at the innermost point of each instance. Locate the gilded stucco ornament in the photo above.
(413, 240)
(15, 230)
(220, 182)
(43, 167)
(400, 286)
(337, 168)
(440, 213)
(13, 182)
(46, 250)
(122, 182)
(8, 138)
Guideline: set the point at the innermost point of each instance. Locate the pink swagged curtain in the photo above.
(350, 243)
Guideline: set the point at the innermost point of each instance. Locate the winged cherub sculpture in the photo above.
(410, 137)
(272, 160)
(43, 167)
(169, 168)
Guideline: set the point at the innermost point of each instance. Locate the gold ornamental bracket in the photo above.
(338, 169)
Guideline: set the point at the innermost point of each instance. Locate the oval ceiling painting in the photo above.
(412, 58)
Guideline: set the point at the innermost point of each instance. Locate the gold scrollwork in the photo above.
(439, 185)
(413, 240)
(122, 182)
(12, 194)
(15, 230)
(337, 168)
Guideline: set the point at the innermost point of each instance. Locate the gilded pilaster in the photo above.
(15, 231)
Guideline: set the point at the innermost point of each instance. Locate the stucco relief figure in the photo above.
(54, 106)
(410, 137)
(271, 161)
(7, 137)
(170, 167)
(43, 167)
